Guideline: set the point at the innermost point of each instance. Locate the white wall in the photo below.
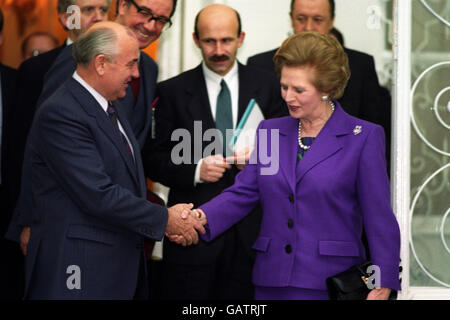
(267, 24)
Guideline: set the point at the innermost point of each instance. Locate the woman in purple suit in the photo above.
(331, 183)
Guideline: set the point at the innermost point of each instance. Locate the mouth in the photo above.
(293, 108)
(219, 59)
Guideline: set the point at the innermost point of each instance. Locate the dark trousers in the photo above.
(227, 278)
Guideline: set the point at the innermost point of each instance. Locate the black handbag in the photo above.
(350, 284)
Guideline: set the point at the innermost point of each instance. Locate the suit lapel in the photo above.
(136, 168)
(288, 150)
(326, 143)
(247, 90)
(198, 103)
(91, 106)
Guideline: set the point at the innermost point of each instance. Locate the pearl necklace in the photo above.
(300, 130)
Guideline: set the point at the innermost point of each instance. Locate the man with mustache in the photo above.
(220, 269)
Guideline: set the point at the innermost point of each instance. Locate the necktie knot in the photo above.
(111, 112)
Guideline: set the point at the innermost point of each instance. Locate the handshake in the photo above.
(185, 223)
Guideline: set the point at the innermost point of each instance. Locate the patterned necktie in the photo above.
(224, 119)
(113, 116)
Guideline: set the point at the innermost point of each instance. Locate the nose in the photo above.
(151, 25)
(99, 15)
(309, 25)
(219, 48)
(287, 95)
(135, 71)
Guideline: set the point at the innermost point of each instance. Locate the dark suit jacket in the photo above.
(91, 200)
(29, 86)
(139, 116)
(361, 97)
(183, 100)
(8, 78)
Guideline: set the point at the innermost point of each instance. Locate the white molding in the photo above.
(401, 131)
(427, 293)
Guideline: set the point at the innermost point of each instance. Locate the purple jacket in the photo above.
(314, 211)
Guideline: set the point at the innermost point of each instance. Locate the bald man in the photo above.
(88, 182)
(220, 269)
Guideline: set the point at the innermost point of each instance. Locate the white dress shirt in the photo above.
(102, 102)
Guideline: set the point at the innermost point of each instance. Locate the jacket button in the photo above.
(290, 223)
(288, 248)
(291, 198)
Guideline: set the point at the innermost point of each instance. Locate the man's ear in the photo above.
(121, 7)
(62, 17)
(100, 64)
(196, 40)
(241, 38)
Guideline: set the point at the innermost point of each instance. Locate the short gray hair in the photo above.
(93, 43)
(64, 4)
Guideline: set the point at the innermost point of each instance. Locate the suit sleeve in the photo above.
(235, 202)
(380, 224)
(61, 70)
(67, 147)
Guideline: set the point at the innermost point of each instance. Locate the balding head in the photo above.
(218, 10)
(107, 56)
(218, 35)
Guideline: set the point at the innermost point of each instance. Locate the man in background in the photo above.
(38, 43)
(362, 96)
(215, 94)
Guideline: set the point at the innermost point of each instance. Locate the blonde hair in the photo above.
(322, 53)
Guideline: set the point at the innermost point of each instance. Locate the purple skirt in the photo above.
(289, 293)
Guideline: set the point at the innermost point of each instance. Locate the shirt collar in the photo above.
(214, 77)
(100, 99)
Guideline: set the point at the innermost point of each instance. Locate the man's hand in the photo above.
(197, 214)
(24, 239)
(379, 294)
(183, 225)
(240, 158)
(213, 168)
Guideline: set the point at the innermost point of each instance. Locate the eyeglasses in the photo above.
(161, 21)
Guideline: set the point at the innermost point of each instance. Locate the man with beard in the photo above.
(216, 94)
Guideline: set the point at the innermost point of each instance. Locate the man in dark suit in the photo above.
(362, 95)
(193, 102)
(9, 273)
(88, 182)
(31, 78)
(146, 20)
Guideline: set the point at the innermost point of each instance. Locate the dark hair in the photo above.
(338, 35)
(238, 19)
(330, 2)
(1, 20)
(35, 34)
(171, 14)
(321, 52)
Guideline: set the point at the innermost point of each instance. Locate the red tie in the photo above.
(135, 88)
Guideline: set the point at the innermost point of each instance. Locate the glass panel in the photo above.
(430, 139)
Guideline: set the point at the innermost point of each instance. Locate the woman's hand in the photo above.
(379, 294)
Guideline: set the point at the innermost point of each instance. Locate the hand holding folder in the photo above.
(245, 133)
